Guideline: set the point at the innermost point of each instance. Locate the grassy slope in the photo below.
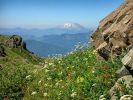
(13, 70)
(79, 75)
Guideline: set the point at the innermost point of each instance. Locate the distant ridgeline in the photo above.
(56, 44)
(47, 45)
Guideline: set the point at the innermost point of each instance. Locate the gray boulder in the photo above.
(122, 72)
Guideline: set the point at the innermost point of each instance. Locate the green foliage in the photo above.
(12, 82)
(78, 75)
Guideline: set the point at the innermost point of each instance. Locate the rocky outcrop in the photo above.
(115, 32)
(15, 41)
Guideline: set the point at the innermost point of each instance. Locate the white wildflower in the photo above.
(73, 94)
(39, 81)
(45, 94)
(93, 71)
(49, 78)
(46, 70)
(59, 62)
(67, 67)
(29, 76)
(62, 86)
(57, 84)
(45, 84)
(72, 66)
(102, 97)
(70, 52)
(59, 93)
(33, 93)
(94, 84)
(45, 66)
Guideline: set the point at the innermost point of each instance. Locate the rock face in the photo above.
(15, 41)
(115, 32)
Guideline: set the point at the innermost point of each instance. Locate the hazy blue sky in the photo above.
(45, 13)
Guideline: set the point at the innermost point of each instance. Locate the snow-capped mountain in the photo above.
(75, 26)
(69, 28)
(66, 28)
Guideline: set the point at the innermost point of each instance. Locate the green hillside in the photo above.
(78, 75)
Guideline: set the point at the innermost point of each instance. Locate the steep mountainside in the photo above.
(115, 32)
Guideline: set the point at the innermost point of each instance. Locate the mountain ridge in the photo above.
(75, 28)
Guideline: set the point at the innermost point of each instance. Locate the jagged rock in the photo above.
(2, 52)
(121, 84)
(115, 30)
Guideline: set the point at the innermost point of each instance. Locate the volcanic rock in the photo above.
(116, 31)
